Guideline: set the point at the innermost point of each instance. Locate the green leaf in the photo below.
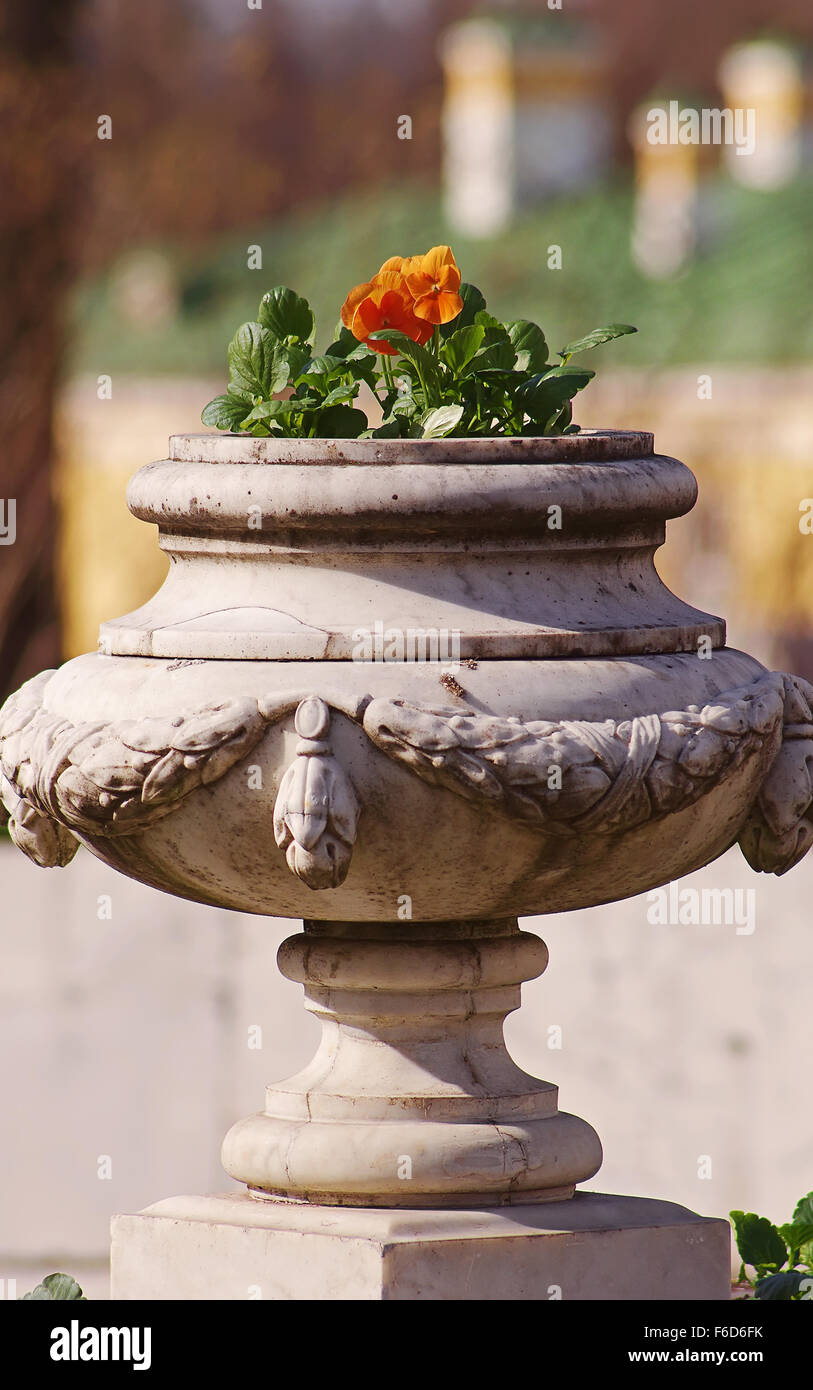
(405, 406)
(488, 320)
(349, 349)
(758, 1241)
(324, 364)
(783, 1286)
(317, 372)
(224, 412)
(54, 1286)
(363, 366)
(340, 422)
(345, 343)
(529, 345)
(496, 353)
(340, 395)
(473, 303)
(441, 421)
(423, 361)
(269, 410)
(803, 1217)
(563, 369)
(460, 347)
(798, 1236)
(286, 315)
(542, 398)
(563, 419)
(257, 362)
(298, 354)
(304, 399)
(390, 430)
(594, 339)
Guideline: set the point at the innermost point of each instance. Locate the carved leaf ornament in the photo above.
(119, 778)
(316, 811)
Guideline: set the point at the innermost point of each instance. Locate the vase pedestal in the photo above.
(412, 1158)
(412, 1099)
(594, 1246)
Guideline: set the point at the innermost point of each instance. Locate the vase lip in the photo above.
(503, 543)
(588, 446)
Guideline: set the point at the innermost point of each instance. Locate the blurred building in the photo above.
(766, 78)
(525, 116)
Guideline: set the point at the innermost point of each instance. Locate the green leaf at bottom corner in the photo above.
(441, 421)
(56, 1286)
(798, 1236)
(783, 1287)
(758, 1241)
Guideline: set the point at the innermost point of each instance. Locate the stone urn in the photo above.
(409, 691)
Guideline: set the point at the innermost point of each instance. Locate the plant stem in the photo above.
(427, 401)
(386, 369)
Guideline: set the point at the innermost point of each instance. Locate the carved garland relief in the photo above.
(118, 778)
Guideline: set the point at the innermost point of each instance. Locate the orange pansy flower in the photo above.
(390, 267)
(409, 293)
(434, 281)
(387, 306)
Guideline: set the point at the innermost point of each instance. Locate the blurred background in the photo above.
(165, 163)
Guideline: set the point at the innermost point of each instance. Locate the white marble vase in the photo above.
(409, 691)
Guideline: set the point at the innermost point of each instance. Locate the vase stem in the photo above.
(412, 1099)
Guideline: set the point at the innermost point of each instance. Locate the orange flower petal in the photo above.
(418, 283)
(394, 263)
(388, 308)
(368, 318)
(449, 278)
(436, 258)
(421, 330)
(438, 307)
(384, 305)
(352, 302)
(390, 280)
(411, 264)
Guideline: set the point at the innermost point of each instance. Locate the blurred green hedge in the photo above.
(744, 298)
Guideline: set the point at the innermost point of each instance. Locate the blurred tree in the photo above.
(189, 108)
(38, 174)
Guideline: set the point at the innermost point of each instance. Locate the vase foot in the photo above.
(595, 1246)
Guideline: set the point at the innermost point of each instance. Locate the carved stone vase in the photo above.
(409, 691)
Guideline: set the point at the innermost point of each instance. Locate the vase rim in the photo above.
(588, 446)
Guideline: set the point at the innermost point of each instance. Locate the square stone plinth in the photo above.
(595, 1246)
